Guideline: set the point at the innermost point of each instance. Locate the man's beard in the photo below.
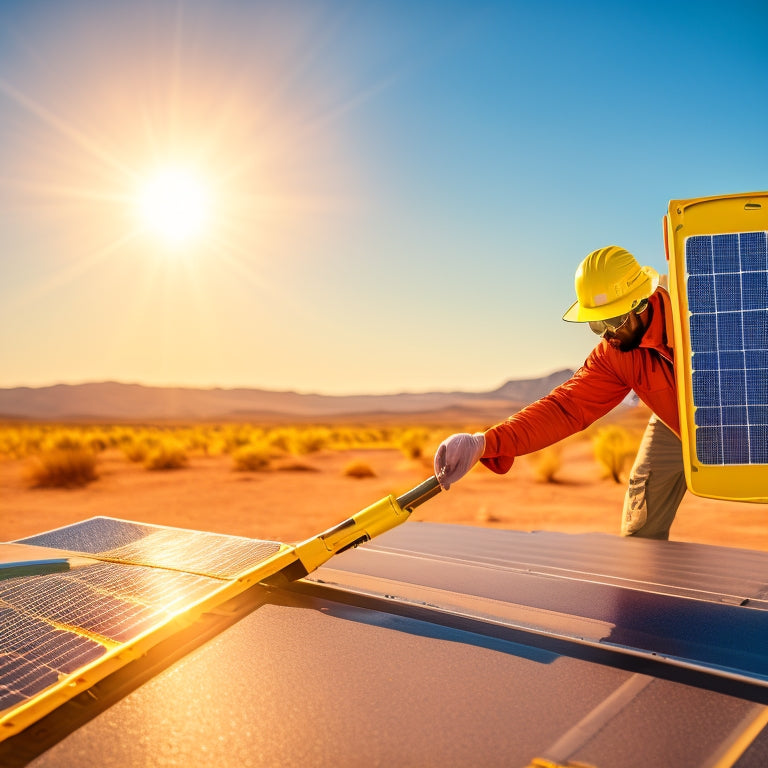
(627, 345)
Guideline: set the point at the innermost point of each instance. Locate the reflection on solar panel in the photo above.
(718, 249)
(55, 624)
(211, 554)
(111, 590)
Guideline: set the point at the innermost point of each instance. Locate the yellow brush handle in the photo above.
(361, 527)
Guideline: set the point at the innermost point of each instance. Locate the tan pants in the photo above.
(656, 484)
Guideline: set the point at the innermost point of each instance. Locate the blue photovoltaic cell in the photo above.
(727, 292)
(54, 624)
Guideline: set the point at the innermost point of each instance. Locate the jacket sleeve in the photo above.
(594, 390)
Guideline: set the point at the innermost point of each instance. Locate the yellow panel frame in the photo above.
(726, 214)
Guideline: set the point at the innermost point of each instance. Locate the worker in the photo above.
(623, 304)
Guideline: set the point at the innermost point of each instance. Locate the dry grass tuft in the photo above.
(166, 455)
(613, 447)
(63, 468)
(358, 469)
(311, 440)
(412, 442)
(297, 466)
(136, 451)
(547, 463)
(485, 517)
(251, 458)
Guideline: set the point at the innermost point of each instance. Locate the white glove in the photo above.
(456, 455)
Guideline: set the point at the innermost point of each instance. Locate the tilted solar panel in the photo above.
(728, 304)
(80, 602)
(110, 590)
(58, 623)
(718, 251)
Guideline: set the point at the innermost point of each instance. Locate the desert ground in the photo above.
(297, 498)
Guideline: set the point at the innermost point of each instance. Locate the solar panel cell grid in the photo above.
(727, 293)
(35, 654)
(54, 624)
(200, 552)
(121, 588)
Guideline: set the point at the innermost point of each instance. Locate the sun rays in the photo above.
(175, 204)
(171, 197)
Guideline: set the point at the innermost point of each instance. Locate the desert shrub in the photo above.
(342, 438)
(484, 516)
(64, 440)
(297, 466)
(368, 437)
(547, 463)
(168, 454)
(197, 439)
(136, 451)
(613, 446)
(208, 440)
(32, 442)
(12, 443)
(358, 469)
(251, 458)
(379, 435)
(411, 442)
(112, 435)
(122, 436)
(311, 440)
(281, 439)
(97, 441)
(63, 468)
(139, 446)
(191, 439)
(215, 446)
(213, 441)
(235, 436)
(20, 441)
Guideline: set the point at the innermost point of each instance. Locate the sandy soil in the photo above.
(289, 504)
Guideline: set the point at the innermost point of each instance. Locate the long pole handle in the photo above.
(418, 495)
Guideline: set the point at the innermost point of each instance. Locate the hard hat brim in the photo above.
(579, 314)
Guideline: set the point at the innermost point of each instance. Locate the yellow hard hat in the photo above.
(609, 283)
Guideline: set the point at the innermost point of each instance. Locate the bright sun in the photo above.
(175, 205)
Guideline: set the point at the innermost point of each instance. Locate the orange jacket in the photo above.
(606, 378)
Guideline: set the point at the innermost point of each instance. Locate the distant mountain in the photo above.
(113, 401)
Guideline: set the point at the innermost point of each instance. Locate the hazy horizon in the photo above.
(372, 393)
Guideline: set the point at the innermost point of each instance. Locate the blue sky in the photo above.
(399, 192)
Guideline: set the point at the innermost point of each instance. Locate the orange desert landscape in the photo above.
(298, 496)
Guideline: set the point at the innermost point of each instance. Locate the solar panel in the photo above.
(56, 624)
(106, 591)
(79, 602)
(212, 554)
(718, 251)
(728, 304)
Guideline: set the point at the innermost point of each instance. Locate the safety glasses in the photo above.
(613, 324)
